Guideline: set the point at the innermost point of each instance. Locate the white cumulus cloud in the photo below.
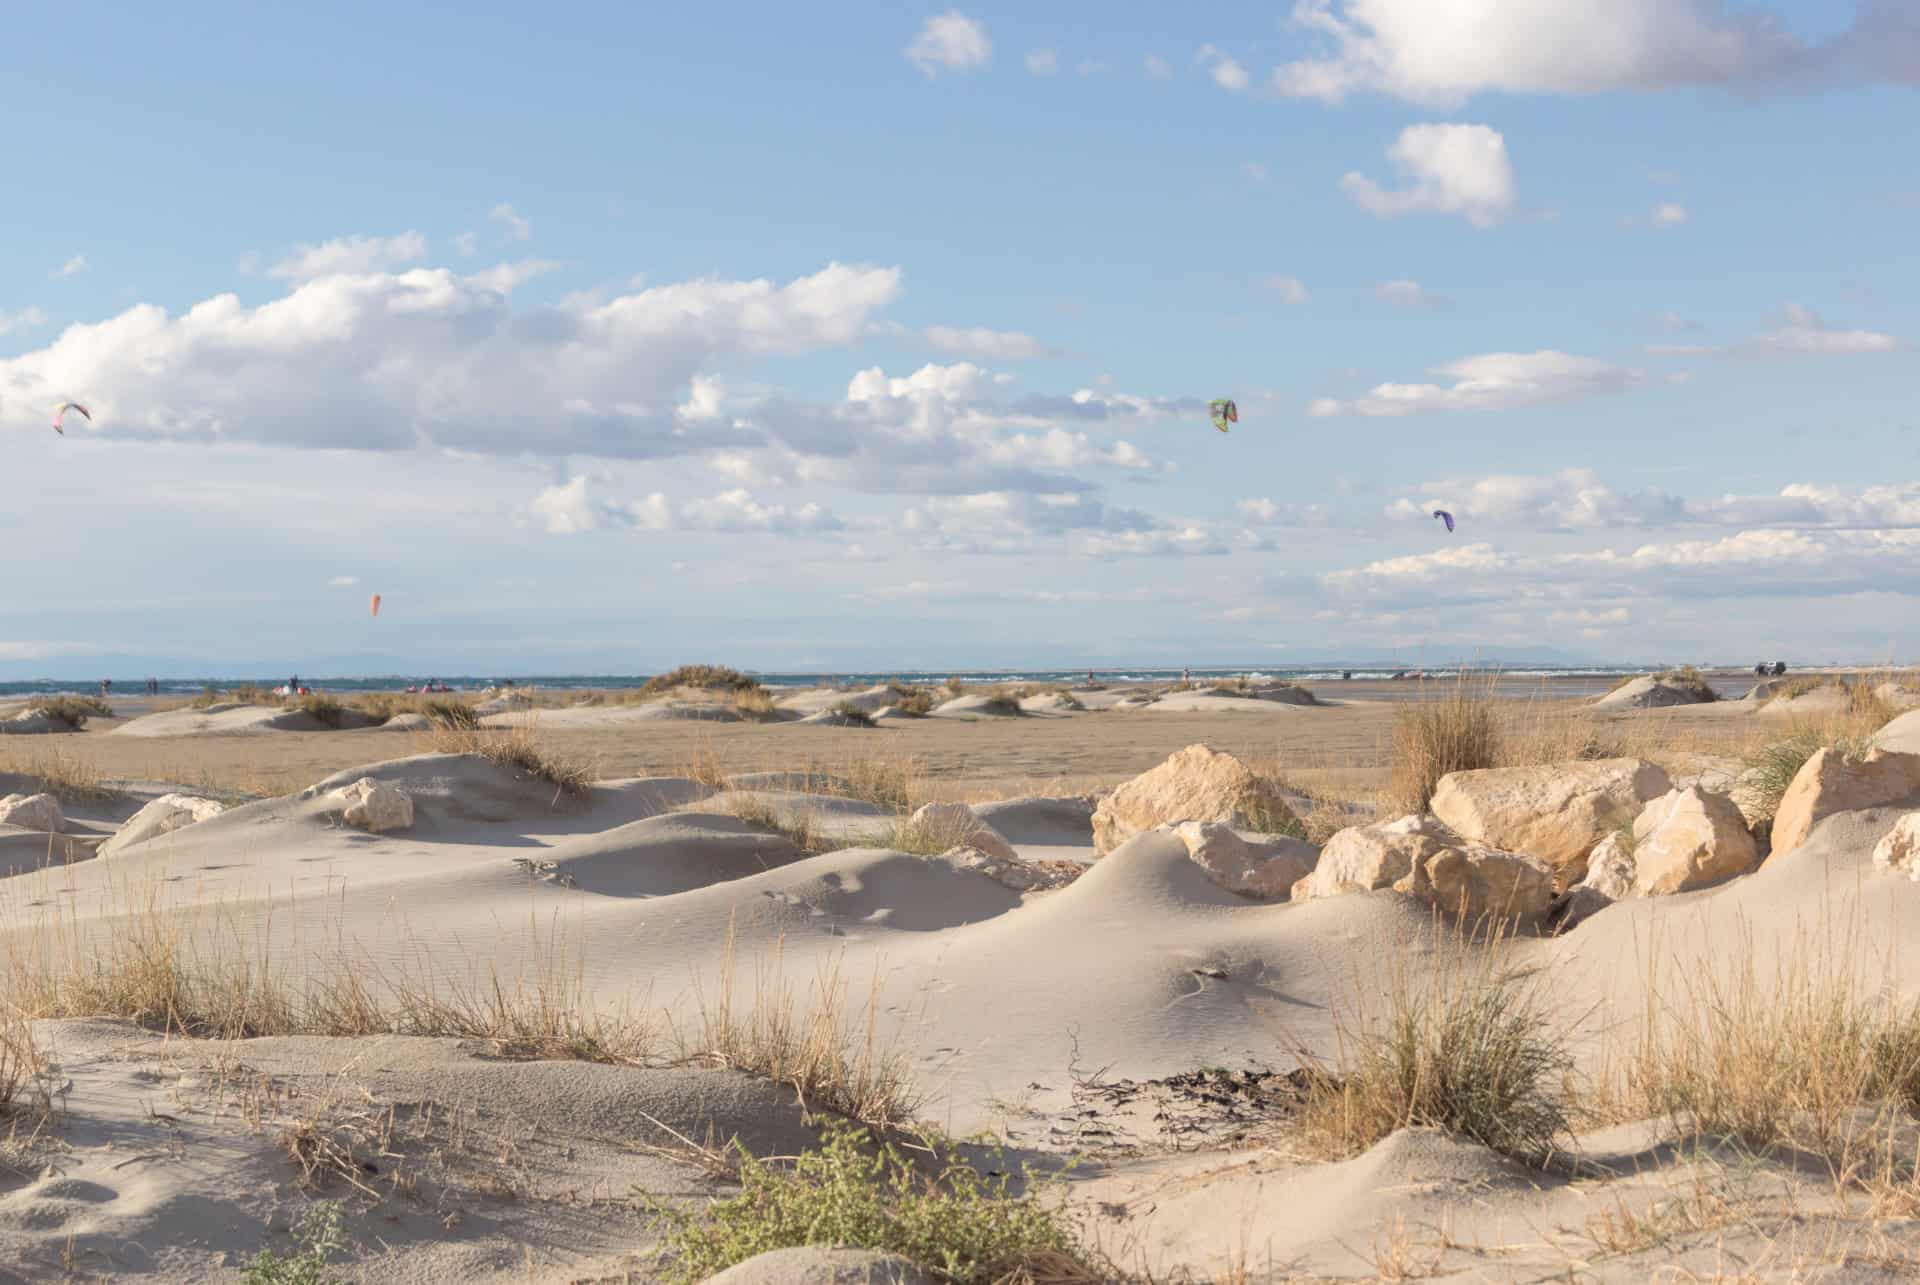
(71, 268)
(1290, 289)
(350, 255)
(1492, 381)
(1439, 52)
(22, 319)
(1805, 332)
(1223, 69)
(1405, 293)
(1446, 169)
(952, 42)
(512, 225)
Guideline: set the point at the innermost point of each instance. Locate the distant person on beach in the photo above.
(106, 687)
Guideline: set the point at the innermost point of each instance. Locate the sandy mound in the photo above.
(1044, 829)
(575, 717)
(1225, 700)
(836, 718)
(33, 722)
(1650, 692)
(820, 1265)
(978, 705)
(1830, 698)
(1902, 735)
(169, 1159)
(235, 719)
(819, 699)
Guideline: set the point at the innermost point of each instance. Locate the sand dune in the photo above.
(654, 894)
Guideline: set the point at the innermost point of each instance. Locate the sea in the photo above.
(134, 685)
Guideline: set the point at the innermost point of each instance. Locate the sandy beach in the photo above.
(476, 997)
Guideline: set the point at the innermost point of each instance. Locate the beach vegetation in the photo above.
(319, 1235)
(916, 702)
(74, 711)
(1457, 731)
(517, 748)
(955, 1221)
(852, 713)
(69, 777)
(322, 709)
(706, 677)
(1466, 1046)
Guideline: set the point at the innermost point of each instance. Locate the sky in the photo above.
(613, 337)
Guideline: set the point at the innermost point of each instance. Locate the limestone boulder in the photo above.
(1830, 782)
(1195, 784)
(1262, 866)
(164, 815)
(1610, 869)
(1556, 812)
(1420, 856)
(956, 824)
(1689, 839)
(32, 812)
(374, 805)
(1899, 850)
(1476, 882)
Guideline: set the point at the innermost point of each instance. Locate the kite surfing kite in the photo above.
(1224, 412)
(374, 608)
(60, 415)
(1446, 517)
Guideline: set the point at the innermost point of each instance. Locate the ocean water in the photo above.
(136, 685)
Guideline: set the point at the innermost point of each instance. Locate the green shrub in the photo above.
(958, 1223)
(853, 714)
(917, 702)
(319, 1236)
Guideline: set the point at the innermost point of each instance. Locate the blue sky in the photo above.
(877, 336)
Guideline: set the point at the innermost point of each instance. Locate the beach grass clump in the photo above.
(322, 709)
(1465, 1046)
(706, 677)
(1690, 680)
(1457, 732)
(516, 748)
(74, 711)
(916, 702)
(20, 1063)
(957, 1222)
(1772, 767)
(1802, 1058)
(1005, 706)
(853, 714)
(754, 703)
(799, 826)
(896, 784)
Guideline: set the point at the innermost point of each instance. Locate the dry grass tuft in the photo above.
(916, 702)
(1805, 1058)
(1458, 732)
(828, 1054)
(853, 714)
(518, 749)
(74, 711)
(1465, 1046)
(67, 776)
(322, 708)
(19, 1060)
(708, 677)
(801, 827)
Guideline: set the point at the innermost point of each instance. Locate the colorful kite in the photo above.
(1224, 412)
(374, 610)
(1446, 517)
(60, 415)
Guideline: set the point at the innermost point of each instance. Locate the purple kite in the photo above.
(1446, 517)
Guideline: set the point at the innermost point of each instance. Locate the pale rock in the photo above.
(1474, 882)
(1902, 735)
(1420, 856)
(1690, 839)
(956, 822)
(374, 805)
(1610, 869)
(1830, 783)
(164, 815)
(1556, 812)
(1266, 867)
(1899, 850)
(32, 812)
(1195, 784)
